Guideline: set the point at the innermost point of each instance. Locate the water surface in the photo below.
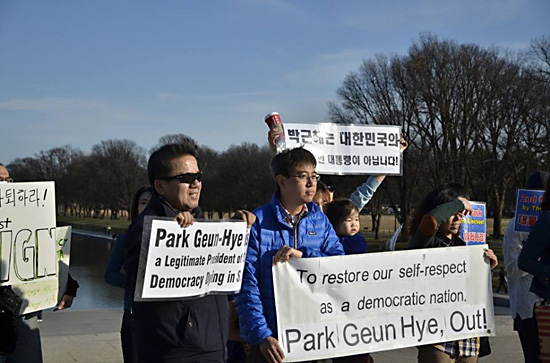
(89, 256)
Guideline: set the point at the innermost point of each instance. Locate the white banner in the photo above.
(338, 306)
(40, 295)
(205, 258)
(27, 232)
(348, 149)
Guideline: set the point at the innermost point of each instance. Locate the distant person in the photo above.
(535, 259)
(189, 330)
(290, 226)
(28, 346)
(522, 300)
(436, 224)
(323, 195)
(502, 281)
(115, 277)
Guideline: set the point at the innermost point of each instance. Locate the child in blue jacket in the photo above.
(343, 214)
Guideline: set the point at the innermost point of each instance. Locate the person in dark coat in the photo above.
(189, 330)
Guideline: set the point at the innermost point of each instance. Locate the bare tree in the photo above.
(121, 170)
(173, 139)
(467, 112)
(539, 57)
(212, 194)
(50, 165)
(247, 182)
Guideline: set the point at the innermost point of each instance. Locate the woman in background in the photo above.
(436, 224)
(114, 276)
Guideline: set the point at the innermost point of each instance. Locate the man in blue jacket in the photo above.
(290, 226)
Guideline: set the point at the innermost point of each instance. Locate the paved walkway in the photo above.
(93, 336)
(81, 336)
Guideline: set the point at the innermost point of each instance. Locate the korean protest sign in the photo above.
(348, 149)
(205, 258)
(343, 305)
(527, 209)
(27, 232)
(473, 228)
(40, 295)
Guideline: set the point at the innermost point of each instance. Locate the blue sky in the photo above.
(79, 72)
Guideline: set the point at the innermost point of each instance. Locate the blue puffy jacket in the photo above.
(315, 238)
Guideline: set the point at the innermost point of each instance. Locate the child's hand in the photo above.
(285, 253)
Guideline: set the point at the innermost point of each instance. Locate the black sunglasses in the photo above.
(184, 178)
(330, 188)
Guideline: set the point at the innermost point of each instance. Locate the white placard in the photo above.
(40, 295)
(343, 305)
(205, 258)
(27, 232)
(348, 149)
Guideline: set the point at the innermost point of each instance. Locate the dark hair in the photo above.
(440, 195)
(322, 187)
(135, 200)
(159, 164)
(321, 192)
(287, 161)
(338, 210)
(545, 205)
(537, 180)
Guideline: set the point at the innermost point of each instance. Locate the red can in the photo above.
(273, 121)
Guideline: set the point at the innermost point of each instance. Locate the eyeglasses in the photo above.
(305, 177)
(9, 180)
(184, 178)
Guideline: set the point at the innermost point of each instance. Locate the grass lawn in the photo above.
(94, 224)
(386, 230)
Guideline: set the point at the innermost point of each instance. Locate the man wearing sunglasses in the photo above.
(185, 330)
(290, 226)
